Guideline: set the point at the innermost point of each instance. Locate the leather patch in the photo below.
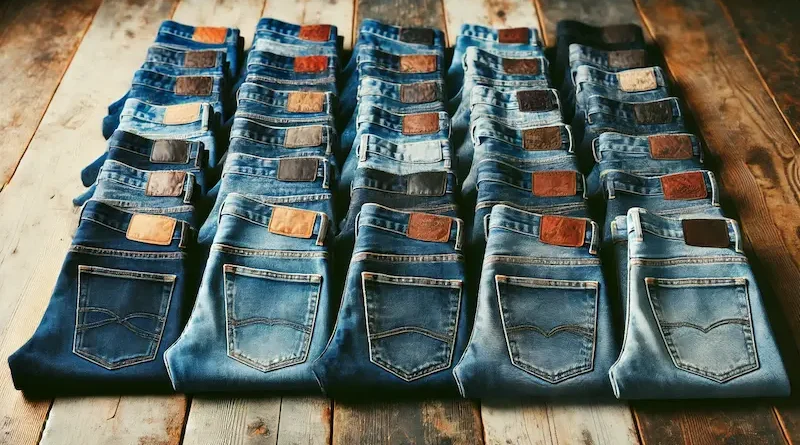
(706, 232)
(634, 81)
(165, 183)
(151, 229)
(653, 112)
(423, 123)
(418, 63)
(315, 33)
(305, 102)
(554, 183)
(543, 138)
(420, 36)
(200, 59)
(514, 35)
(170, 152)
(427, 184)
(425, 227)
(684, 186)
(298, 169)
(182, 114)
(210, 34)
(296, 223)
(536, 100)
(310, 64)
(303, 137)
(522, 66)
(194, 86)
(670, 146)
(418, 93)
(628, 58)
(619, 33)
(562, 231)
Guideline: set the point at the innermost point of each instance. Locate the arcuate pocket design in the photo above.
(120, 315)
(411, 323)
(705, 324)
(550, 325)
(269, 316)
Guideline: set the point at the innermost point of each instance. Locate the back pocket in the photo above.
(269, 316)
(550, 325)
(411, 323)
(120, 315)
(705, 324)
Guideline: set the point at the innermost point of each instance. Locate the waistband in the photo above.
(408, 124)
(412, 152)
(407, 93)
(421, 62)
(288, 169)
(700, 232)
(552, 137)
(185, 58)
(421, 37)
(538, 100)
(307, 34)
(684, 186)
(156, 183)
(518, 63)
(196, 113)
(291, 101)
(266, 75)
(145, 228)
(630, 81)
(289, 137)
(667, 147)
(201, 86)
(550, 229)
(523, 36)
(619, 60)
(612, 34)
(437, 183)
(200, 34)
(263, 43)
(315, 64)
(160, 151)
(544, 183)
(413, 225)
(662, 111)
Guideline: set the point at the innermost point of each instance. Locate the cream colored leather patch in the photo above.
(182, 114)
(305, 102)
(165, 183)
(291, 222)
(633, 81)
(151, 229)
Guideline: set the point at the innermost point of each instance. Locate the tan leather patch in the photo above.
(522, 66)
(670, 146)
(425, 227)
(554, 183)
(628, 58)
(514, 35)
(417, 63)
(544, 138)
(423, 123)
(151, 229)
(182, 114)
(633, 81)
(295, 223)
(653, 112)
(310, 64)
(200, 59)
(562, 231)
(706, 232)
(684, 186)
(194, 86)
(170, 151)
(419, 93)
(305, 102)
(619, 33)
(165, 183)
(210, 34)
(315, 33)
(298, 169)
(303, 137)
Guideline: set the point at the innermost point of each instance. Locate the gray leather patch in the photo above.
(200, 59)
(706, 232)
(298, 169)
(194, 86)
(427, 184)
(536, 100)
(303, 137)
(165, 183)
(418, 93)
(629, 58)
(420, 36)
(653, 112)
(170, 152)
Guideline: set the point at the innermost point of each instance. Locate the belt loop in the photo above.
(358, 220)
(593, 242)
(459, 234)
(486, 225)
(188, 188)
(583, 184)
(325, 174)
(635, 214)
(323, 229)
(570, 140)
(595, 152)
(737, 245)
(714, 189)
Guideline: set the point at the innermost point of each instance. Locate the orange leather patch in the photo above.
(543, 138)
(291, 222)
(562, 231)
(315, 33)
(423, 123)
(182, 114)
(554, 183)
(305, 102)
(425, 227)
(690, 185)
(210, 34)
(670, 146)
(194, 86)
(417, 63)
(310, 64)
(151, 229)
(165, 183)
(522, 66)
(633, 81)
(513, 35)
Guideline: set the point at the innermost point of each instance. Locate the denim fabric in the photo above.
(264, 104)
(543, 325)
(696, 326)
(406, 158)
(256, 138)
(611, 61)
(315, 36)
(118, 303)
(263, 310)
(293, 50)
(191, 61)
(175, 35)
(636, 85)
(303, 72)
(403, 319)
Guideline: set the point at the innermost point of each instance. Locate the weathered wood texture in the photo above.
(495, 13)
(598, 13)
(429, 13)
(334, 12)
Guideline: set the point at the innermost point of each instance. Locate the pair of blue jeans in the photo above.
(284, 107)
(609, 61)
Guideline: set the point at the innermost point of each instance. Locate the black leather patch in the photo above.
(420, 36)
(427, 184)
(706, 232)
(536, 100)
(298, 169)
(200, 59)
(653, 112)
(170, 152)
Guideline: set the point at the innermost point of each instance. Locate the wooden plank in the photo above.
(334, 12)
(38, 40)
(495, 13)
(305, 420)
(598, 13)
(233, 421)
(427, 13)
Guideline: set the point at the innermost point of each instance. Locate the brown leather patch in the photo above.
(310, 64)
(210, 34)
(543, 138)
(200, 59)
(634, 81)
(298, 169)
(417, 63)
(182, 114)
(425, 227)
(554, 183)
(706, 232)
(684, 186)
(522, 66)
(151, 229)
(619, 33)
(305, 102)
(536, 100)
(628, 58)
(514, 35)
(423, 123)
(562, 231)
(420, 36)
(315, 33)
(194, 86)
(165, 183)
(303, 137)
(653, 112)
(296, 223)
(418, 93)
(670, 146)
(170, 152)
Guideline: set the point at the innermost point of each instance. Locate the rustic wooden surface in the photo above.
(735, 63)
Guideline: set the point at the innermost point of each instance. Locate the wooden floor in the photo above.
(736, 63)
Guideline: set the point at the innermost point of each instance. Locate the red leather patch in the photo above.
(315, 33)
(514, 35)
(425, 227)
(562, 231)
(310, 64)
(554, 183)
(670, 146)
(684, 186)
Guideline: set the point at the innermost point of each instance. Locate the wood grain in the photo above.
(494, 13)
(597, 13)
(334, 12)
(225, 421)
(305, 420)
(427, 13)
